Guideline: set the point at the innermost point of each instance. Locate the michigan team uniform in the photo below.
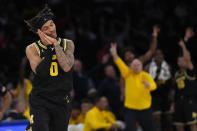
(50, 103)
(185, 102)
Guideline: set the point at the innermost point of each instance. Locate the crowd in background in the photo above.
(93, 25)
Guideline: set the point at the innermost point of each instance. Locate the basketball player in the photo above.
(51, 59)
(185, 98)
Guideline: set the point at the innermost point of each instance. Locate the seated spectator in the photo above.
(86, 105)
(22, 93)
(75, 113)
(80, 81)
(77, 124)
(24, 87)
(6, 96)
(110, 88)
(98, 119)
(161, 73)
(16, 111)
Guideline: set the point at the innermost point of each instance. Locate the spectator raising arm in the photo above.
(186, 55)
(148, 55)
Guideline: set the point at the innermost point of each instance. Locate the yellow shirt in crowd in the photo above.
(80, 119)
(137, 97)
(22, 93)
(96, 119)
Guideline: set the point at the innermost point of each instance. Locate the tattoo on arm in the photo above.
(65, 59)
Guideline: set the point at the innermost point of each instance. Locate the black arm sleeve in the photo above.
(42, 70)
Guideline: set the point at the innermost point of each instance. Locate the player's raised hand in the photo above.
(52, 40)
(46, 38)
(43, 38)
(156, 30)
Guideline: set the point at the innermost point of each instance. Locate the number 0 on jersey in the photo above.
(54, 69)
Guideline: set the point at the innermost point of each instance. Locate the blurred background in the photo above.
(92, 25)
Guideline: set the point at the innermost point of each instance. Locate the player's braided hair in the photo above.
(41, 18)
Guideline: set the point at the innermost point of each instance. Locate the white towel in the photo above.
(77, 127)
(164, 73)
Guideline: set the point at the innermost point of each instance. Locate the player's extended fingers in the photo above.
(52, 40)
(44, 38)
(39, 33)
(48, 38)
